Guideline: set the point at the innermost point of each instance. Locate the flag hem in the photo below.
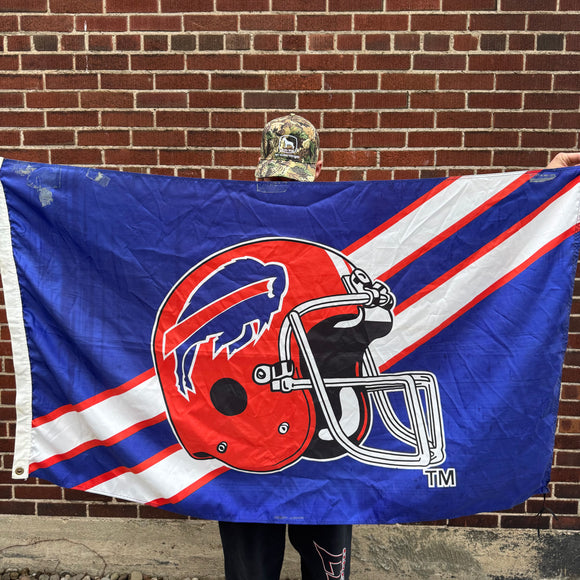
(22, 371)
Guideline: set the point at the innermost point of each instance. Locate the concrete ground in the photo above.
(191, 549)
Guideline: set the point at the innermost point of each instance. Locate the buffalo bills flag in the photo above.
(369, 352)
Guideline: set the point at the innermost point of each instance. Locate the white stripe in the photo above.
(101, 421)
(19, 344)
(431, 218)
(434, 309)
(163, 480)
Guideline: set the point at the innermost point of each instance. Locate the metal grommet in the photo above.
(283, 428)
(19, 471)
(222, 447)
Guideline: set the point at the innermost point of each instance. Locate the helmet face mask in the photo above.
(262, 353)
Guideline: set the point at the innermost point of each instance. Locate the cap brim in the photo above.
(289, 169)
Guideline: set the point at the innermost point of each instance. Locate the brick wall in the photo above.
(184, 87)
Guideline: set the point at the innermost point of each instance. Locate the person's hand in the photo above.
(564, 160)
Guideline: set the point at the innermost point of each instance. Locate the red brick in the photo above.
(566, 523)
(199, 62)
(390, 22)
(407, 158)
(476, 521)
(572, 42)
(48, 137)
(157, 62)
(364, 120)
(320, 42)
(18, 43)
(295, 42)
(496, 62)
(127, 81)
(52, 100)
(11, 100)
(348, 42)
(494, 100)
(214, 138)
(383, 62)
(351, 82)
(48, 22)
(461, 157)
(407, 41)
(324, 22)
(159, 100)
(525, 521)
(182, 119)
(128, 157)
(374, 139)
(437, 100)
(568, 459)
(72, 42)
(338, 158)
(208, 22)
(215, 100)
(127, 119)
(491, 139)
(404, 119)
(471, 5)
(187, 6)
(434, 139)
(76, 6)
(25, 6)
(172, 81)
(545, 101)
(466, 119)
(404, 5)
(235, 81)
(566, 82)
(72, 81)
(424, 22)
(43, 62)
(436, 42)
(523, 81)
(337, 139)
(128, 6)
(237, 120)
(332, 62)
(104, 138)
(466, 81)
(565, 120)
(295, 82)
(8, 139)
(382, 100)
(106, 100)
(185, 157)
(521, 120)
(278, 22)
(72, 119)
(62, 156)
(266, 42)
(498, 21)
(318, 100)
(521, 41)
(517, 159)
(347, 6)
(277, 62)
(102, 23)
(439, 62)
(552, 140)
(20, 81)
(555, 22)
(159, 138)
(17, 508)
(101, 62)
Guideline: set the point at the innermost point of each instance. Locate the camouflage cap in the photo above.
(289, 149)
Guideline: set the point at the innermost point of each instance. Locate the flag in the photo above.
(317, 353)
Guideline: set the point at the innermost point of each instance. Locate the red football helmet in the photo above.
(262, 355)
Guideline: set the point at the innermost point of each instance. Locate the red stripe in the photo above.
(189, 489)
(149, 462)
(98, 442)
(495, 286)
(459, 225)
(398, 217)
(104, 395)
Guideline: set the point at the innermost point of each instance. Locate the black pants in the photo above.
(256, 551)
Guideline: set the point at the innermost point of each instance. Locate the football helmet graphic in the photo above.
(262, 353)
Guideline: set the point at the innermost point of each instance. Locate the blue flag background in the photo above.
(107, 276)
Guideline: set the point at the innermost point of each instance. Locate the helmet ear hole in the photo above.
(228, 397)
